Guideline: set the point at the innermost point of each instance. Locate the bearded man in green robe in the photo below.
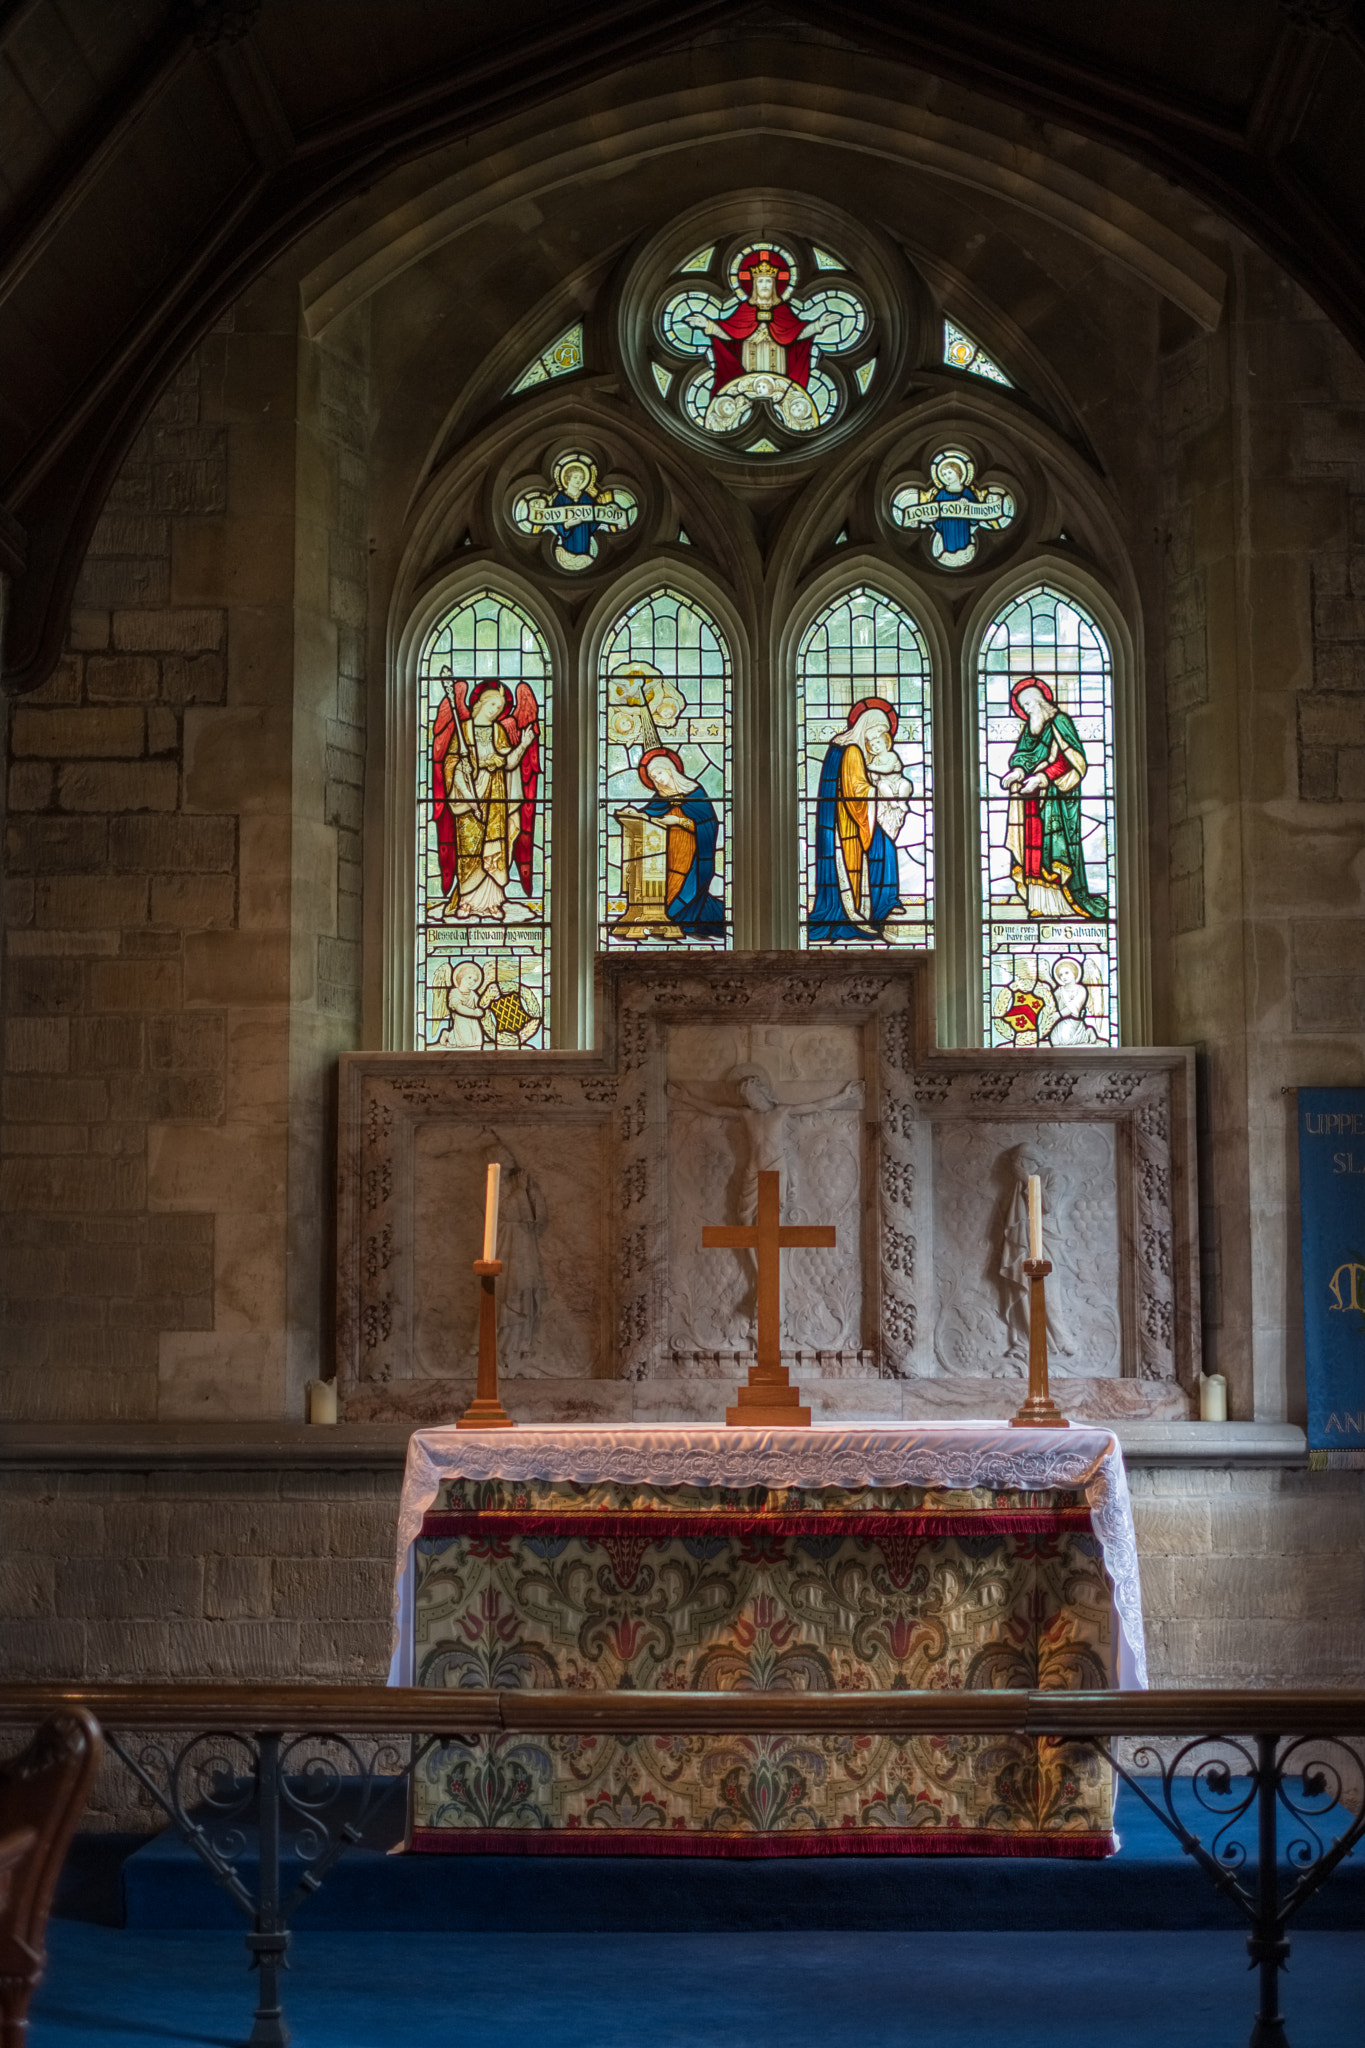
(1043, 831)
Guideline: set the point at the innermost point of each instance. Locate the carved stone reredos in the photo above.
(707, 1067)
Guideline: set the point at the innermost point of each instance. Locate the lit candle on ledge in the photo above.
(1035, 1217)
(490, 1214)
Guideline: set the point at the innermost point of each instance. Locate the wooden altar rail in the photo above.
(1255, 1752)
(413, 1710)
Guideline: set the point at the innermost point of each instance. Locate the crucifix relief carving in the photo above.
(769, 1395)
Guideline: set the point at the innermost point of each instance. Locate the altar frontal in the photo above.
(999, 1575)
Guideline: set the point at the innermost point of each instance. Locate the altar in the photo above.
(938, 1556)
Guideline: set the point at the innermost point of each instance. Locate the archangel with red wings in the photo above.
(483, 735)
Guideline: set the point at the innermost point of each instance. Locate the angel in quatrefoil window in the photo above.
(573, 510)
(951, 508)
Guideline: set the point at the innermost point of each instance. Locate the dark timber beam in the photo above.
(89, 154)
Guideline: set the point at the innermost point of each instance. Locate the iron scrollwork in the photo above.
(1309, 1777)
(308, 1797)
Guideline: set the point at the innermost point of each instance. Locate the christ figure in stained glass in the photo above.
(859, 808)
(484, 827)
(1043, 826)
(763, 348)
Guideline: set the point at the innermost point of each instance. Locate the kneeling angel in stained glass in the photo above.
(665, 712)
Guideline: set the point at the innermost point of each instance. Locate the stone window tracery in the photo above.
(743, 763)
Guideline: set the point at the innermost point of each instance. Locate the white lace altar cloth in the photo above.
(949, 1454)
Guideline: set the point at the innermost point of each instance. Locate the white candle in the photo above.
(490, 1214)
(1213, 1397)
(322, 1400)
(1035, 1217)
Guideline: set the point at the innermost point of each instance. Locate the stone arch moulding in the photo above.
(1123, 629)
(400, 761)
(463, 493)
(955, 151)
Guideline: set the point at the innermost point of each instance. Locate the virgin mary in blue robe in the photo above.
(857, 885)
(692, 830)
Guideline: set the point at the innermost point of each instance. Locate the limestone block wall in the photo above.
(122, 906)
(1249, 1578)
(181, 902)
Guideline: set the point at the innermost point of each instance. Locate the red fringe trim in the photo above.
(659, 1527)
(844, 1842)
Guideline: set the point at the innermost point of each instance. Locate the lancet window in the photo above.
(928, 753)
(866, 801)
(665, 776)
(1045, 717)
(483, 852)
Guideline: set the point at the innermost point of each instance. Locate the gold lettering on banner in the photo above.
(1355, 1273)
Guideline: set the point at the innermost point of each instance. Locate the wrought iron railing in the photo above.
(279, 1751)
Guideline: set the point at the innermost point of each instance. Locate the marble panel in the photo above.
(708, 1071)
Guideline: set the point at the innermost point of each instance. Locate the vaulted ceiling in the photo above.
(156, 155)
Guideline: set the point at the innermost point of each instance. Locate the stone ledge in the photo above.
(370, 1446)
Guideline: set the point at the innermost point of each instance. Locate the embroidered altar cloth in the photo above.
(938, 1556)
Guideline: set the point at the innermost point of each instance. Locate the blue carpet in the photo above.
(1149, 1884)
(107, 1988)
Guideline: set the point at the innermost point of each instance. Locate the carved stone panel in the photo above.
(710, 1069)
(742, 1099)
(980, 1175)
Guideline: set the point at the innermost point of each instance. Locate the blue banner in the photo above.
(1332, 1210)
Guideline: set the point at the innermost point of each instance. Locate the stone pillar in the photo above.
(1265, 683)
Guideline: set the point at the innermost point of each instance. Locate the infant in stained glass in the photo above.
(891, 786)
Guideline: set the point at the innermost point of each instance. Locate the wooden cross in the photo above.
(769, 1395)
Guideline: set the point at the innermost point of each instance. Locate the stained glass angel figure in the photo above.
(574, 511)
(688, 818)
(484, 830)
(952, 508)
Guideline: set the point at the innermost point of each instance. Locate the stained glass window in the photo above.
(664, 777)
(761, 344)
(865, 768)
(960, 352)
(483, 850)
(564, 355)
(1048, 884)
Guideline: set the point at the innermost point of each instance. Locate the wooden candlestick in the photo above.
(486, 1411)
(1039, 1411)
